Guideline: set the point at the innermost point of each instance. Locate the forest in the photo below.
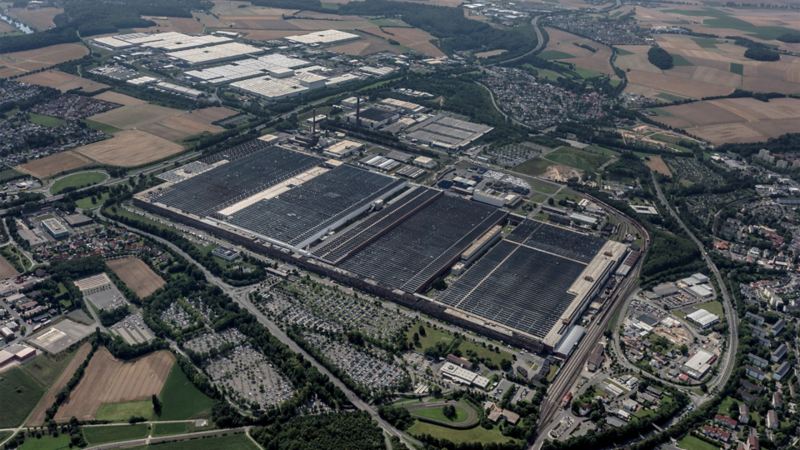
(353, 431)
(660, 58)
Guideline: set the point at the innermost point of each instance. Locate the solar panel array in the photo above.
(305, 210)
(522, 281)
(362, 233)
(411, 253)
(229, 183)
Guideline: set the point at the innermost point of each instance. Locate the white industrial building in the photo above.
(275, 65)
(222, 52)
(699, 364)
(463, 376)
(270, 88)
(703, 318)
(168, 41)
(323, 37)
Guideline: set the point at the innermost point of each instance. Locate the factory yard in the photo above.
(734, 120)
(108, 380)
(63, 81)
(18, 63)
(137, 275)
(130, 148)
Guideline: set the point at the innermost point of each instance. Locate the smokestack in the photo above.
(314, 122)
(358, 111)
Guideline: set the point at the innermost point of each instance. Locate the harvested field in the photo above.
(578, 47)
(39, 18)
(19, 63)
(656, 164)
(122, 99)
(734, 119)
(109, 380)
(130, 148)
(63, 81)
(180, 24)
(167, 123)
(137, 275)
(38, 414)
(55, 164)
(6, 269)
(6, 28)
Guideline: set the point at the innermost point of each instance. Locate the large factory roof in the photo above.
(168, 41)
(271, 88)
(215, 53)
(274, 64)
(323, 37)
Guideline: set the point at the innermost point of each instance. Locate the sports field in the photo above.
(137, 275)
(115, 385)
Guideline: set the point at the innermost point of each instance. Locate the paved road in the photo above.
(539, 44)
(240, 296)
(728, 362)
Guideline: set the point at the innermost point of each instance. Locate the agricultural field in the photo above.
(7, 270)
(77, 180)
(55, 164)
(108, 386)
(180, 399)
(656, 164)
(137, 275)
(228, 442)
(734, 120)
(62, 81)
(37, 18)
(120, 99)
(130, 148)
(19, 63)
(576, 50)
(37, 416)
(95, 435)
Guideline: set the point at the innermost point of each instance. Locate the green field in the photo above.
(229, 442)
(24, 386)
(679, 60)
(705, 42)
(87, 203)
(554, 54)
(580, 159)
(587, 73)
(535, 166)
(116, 412)
(690, 442)
(669, 98)
(46, 121)
(8, 174)
(725, 405)
(77, 180)
(180, 399)
(4, 435)
(720, 19)
(435, 335)
(46, 443)
(477, 434)
(168, 429)
(114, 433)
(435, 413)
(107, 129)
(737, 68)
(714, 307)
(543, 186)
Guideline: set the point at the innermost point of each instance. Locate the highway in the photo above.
(241, 296)
(728, 362)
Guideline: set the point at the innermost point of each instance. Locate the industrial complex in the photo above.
(521, 280)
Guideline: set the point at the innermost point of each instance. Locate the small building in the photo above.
(463, 376)
(744, 413)
(772, 421)
(570, 341)
(77, 220)
(595, 360)
(699, 364)
(779, 353)
(703, 318)
(701, 291)
(424, 161)
(228, 254)
(56, 229)
(343, 149)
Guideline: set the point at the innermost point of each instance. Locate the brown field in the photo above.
(130, 148)
(109, 380)
(734, 119)
(6, 269)
(121, 99)
(6, 28)
(179, 24)
(55, 164)
(63, 81)
(39, 19)
(18, 63)
(167, 123)
(656, 164)
(38, 414)
(137, 275)
(565, 42)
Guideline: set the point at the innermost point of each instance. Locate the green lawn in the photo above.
(168, 429)
(555, 54)
(180, 399)
(229, 442)
(46, 443)
(114, 433)
(87, 203)
(46, 121)
(436, 413)
(737, 68)
(714, 307)
(24, 386)
(535, 166)
(4, 435)
(477, 434)
(115, 412)
(690, 442)
(77, 180)
(543, 186)
(580, 159)
(725, 405)
(435, 335)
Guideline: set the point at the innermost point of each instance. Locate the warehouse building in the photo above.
(274, 65)
(460, 375)
(699, 364)
(324, 37)
(703, 318)
(216, 53)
